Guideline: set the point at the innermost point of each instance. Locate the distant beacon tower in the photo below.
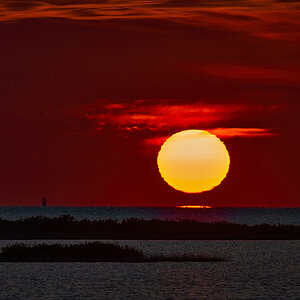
(44, 201)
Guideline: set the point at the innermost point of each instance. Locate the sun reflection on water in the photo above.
(194, 206)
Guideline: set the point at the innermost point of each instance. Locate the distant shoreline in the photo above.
(67, 227)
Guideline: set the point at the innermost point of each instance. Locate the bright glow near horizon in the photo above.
(194, 206)
(193, 161)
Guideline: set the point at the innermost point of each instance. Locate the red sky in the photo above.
(90, 89)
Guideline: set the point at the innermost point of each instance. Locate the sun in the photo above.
(193, 161)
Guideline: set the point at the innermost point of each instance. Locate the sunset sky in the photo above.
(91, 89)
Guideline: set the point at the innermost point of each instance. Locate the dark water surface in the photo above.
(248, 216)
(254, 270)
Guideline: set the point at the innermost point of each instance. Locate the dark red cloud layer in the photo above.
(90, 90)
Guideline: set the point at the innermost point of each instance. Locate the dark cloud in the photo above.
(121, 9)
(288, 1)
(197, 3)
(75, 2)
(85, 12)
(21, 5)
(231, 16)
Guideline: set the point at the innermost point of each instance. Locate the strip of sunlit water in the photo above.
(194, 206)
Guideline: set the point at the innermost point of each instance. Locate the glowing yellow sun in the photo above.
(193, 161)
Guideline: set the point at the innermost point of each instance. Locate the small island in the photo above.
(90, 252)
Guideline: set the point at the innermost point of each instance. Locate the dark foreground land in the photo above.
(89, 252)
(66, 227)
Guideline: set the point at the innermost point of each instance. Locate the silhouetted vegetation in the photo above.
(66, 227)
(88, 252)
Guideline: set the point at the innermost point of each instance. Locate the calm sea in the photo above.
(248, 216)
(253, 270)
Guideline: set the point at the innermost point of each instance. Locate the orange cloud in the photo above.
(165, 116)
(223, 133)
(241, 132)
(139, 115)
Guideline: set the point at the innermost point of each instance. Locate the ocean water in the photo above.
(248, 216)
(253, 270)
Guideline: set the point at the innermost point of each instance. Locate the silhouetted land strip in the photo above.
(89, 252)
(66, 227)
